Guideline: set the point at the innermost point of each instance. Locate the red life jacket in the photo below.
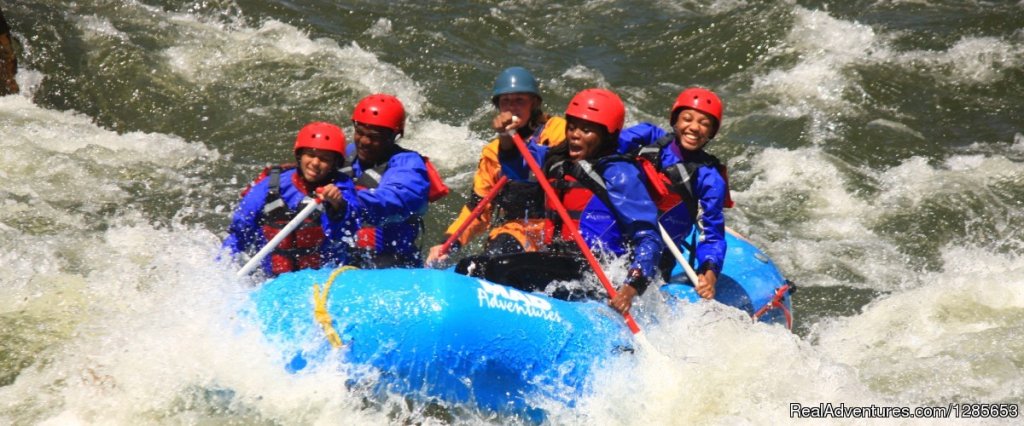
(265, 174)
(577, 183)
(674, 185)
(575, 197)
(366, 237)
(300, 249)
(438, 189)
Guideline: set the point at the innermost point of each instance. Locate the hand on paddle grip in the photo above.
(332, 195)
(505, 122)
(705, 285)
(437, 257)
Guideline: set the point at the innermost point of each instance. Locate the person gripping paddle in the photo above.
(281, 192)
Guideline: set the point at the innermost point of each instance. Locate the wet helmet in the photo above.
(321, 135)
(601, 106)
(381, 110)
(702, 100)
(514, 80)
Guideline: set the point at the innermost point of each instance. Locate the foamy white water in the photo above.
(113, 309)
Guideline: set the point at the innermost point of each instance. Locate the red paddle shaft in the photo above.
(474, 214)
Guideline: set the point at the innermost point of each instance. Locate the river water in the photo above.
(875, 148)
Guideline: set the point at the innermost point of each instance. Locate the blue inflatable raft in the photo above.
(438, 335)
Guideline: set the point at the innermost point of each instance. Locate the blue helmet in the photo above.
(514, 80)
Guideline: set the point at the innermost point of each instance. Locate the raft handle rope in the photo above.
(320, 312)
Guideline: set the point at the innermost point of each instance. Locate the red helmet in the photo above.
(321, 135)
(601, 106)
(381, 110)
(702, 100)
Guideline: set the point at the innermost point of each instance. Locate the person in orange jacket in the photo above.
(516, 216)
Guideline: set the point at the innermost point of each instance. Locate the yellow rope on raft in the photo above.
(320, 306)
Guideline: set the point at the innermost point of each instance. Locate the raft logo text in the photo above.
(952, 410)
(494, 296)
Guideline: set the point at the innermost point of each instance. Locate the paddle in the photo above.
(474, 214)
(672, 247)
(272, 244)
(567, 221)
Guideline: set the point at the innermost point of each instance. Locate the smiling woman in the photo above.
(278, 197)
(694, 186)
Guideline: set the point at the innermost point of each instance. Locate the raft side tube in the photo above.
(441, 335)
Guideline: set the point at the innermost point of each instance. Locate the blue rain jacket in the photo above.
(709, 188)
(395, 207)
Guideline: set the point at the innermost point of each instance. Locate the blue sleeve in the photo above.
(514, 166)
(340, 226)
(637, 215)
(401, 194)
(639, 135)
(244, 230)
(711, 245)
